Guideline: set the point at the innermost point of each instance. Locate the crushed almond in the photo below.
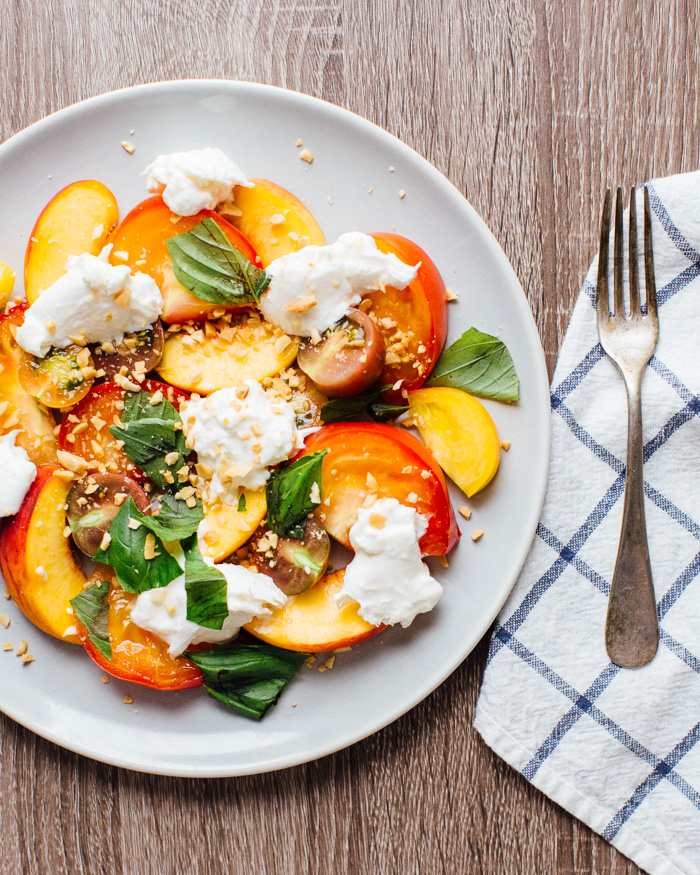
(402, 194)
(505, 445)
(476, 534)
(301, 305)
(306, 155)
(106, 540)
(450, 295)
(444, 562)
(128, 700)
(465, 511)
(330, 662)
(27, 657)
(128, 146)
(4, 621)
(21, 648)
(7, 646)
(371, 481)
(149, 547)
(105, 678)
(377, 520)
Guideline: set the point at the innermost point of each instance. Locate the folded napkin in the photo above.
(617, 748)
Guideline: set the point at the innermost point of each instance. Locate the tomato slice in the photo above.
(372, 459)
(82, 431)
(413, 320)
(137, 655)
(140, 241)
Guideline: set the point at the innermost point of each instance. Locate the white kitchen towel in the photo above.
(617, 748)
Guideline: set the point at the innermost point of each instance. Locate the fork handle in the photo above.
(632, 626)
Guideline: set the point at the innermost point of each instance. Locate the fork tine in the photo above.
(618, 295)
(649, 277)
(602, 293)
(635, 309)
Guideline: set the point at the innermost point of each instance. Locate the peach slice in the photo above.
(459, 432)
(77, 220)
(274, 220)
(312, 622)
(227, 528)
(226, 354)
(7, 283)
(18, 410)
(37, 562)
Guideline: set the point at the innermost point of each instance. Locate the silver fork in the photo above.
(631, 627)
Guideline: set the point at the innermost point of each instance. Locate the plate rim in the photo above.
(540, 380)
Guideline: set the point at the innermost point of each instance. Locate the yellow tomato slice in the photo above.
(459, 432)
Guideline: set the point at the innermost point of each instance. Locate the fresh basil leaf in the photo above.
(92, 609)
(289, 494)
(206, 263)
(205, 587)
(247, 677)
(386, 412)
(125, 553)
(174, 519)
(479, 364)
(241, 503)
(147, 442)
(350, 409)
(137, 405)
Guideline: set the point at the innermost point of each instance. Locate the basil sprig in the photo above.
(289, 499)
(125, 553)
(480, 364)
(206, 588)
(206, 263)
(247, 677)
(92, 609)
(352, 408)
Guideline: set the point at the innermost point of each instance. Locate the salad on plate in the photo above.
(198, 400)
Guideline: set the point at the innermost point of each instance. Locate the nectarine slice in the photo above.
(226, 528)
(312, 622)
(247, 349)
(78, 219)
(7, 283)
(459, 432)
(37, 562)
(274, 220)
(140, 241)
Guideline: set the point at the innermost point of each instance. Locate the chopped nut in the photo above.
(7, 646)
(128, 700)
(476, 534)
(377, 520)
(21, 648)
(149, 547)
(505, 445)
(299, 143)
(7, 595)
(450, 295)
(105, 678)
(171, 458)
(106, 540)
(156, 398)
(282, 343)
(27, 657)
(301, 305)
(305, 155)
(72, 462)
(127, 146)
(120, 498)
(371, 481)
(4, 621)
(465, 511)
(402, 193)
(330, 662)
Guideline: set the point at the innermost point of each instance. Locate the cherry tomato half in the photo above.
(83, 433)
(413, 320)
(140, 241)
(372, 459)
(137, 655)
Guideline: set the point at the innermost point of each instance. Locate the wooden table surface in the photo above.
(530, 108)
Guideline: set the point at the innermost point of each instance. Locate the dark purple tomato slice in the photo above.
(95, 501)
(294, 564)
(144, 347)
(347, 359)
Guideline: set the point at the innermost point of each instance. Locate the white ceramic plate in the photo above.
(60, 695)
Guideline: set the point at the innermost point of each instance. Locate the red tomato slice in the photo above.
(105, 403)
(414, 318)
(140, 241)
(395, 461)
(138, 655)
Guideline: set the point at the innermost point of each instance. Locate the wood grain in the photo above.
(531, 107)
